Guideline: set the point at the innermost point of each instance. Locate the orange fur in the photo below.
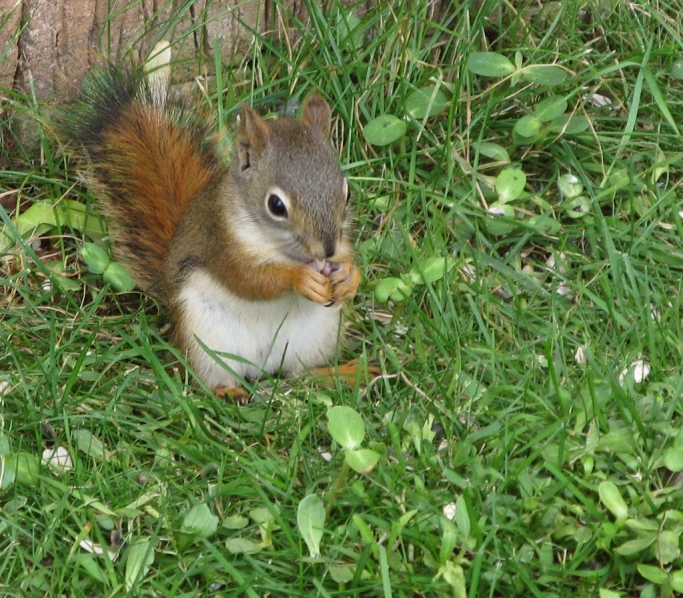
(154, 169)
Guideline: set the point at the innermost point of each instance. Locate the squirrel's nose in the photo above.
(330, 249)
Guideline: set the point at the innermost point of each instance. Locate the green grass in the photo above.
(482, 408)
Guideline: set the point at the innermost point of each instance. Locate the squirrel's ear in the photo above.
(317, 115)
(252, 137)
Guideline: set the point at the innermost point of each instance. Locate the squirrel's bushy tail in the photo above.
(150, 155)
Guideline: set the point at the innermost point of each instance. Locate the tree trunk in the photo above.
(46, 46)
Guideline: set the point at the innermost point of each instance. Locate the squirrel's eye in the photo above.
(276, 206)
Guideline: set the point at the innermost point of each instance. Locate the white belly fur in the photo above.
(288, 334)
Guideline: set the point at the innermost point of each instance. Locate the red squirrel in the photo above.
(251, 256)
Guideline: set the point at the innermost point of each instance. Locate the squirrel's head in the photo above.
(293, 194)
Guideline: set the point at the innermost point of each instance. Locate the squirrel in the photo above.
(252, 256)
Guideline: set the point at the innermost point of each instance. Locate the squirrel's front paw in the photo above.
(345, 279)
(315, 286)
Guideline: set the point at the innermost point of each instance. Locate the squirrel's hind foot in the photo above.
(353, 373)
(234, 393)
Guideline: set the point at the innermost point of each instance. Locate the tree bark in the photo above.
(47, 46)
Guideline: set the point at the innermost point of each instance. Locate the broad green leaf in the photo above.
(550, 108)
(235, 522)
(140, 559)
(643, 525)
(677, 580)
(495, 223)
(528, 126)
(521, 140)
(494, 151)
(678, 441)
(577, 207)
(673, 459)
(366, 534)
(66, 283)
(346, 426)
(41, 217)
(431, 270)
(261, 515)
(510, 184)
(384, 130)
(619, 440)
(649, 591)
(635, 546)
(96, 258)
(88, 443)
(8, 471)
(489, 64)
(361, 460)
(322, 398)
(462, 516)
(310, 519)
(454, 575)
(342, 573)
(401, 292)
(39, 213)
(653, 574)
(569, 125)
(426, 102)
(392, 288)
(44, 215)
(105, 522)
(604, 593)
(569, 186)
(118, 277)
(200, 521)
(544, 74)
(667, 546)
(660, 167)
(8, 237)
(449, 540)
(611, 498)
(24, 468)
(4, 445)
(242, 546)
(363, 529)
(677, 68)
(349, 30)
(76, 215)
(619, 178)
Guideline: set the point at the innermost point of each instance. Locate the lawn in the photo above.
(516, 173)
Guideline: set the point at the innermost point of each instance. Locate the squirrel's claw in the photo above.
(345, 281)
(237, 394)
